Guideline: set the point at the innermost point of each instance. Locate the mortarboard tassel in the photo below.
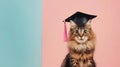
(65, 32)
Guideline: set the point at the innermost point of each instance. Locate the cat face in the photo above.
(80, 35)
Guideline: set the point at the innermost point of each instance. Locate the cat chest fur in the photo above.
(81, 55)
(80, 59)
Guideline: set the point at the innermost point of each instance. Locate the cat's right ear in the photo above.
(72, 24)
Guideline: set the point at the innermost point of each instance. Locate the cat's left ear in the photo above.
(88, 23)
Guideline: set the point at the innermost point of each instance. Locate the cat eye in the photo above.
(85, 31)
(76, 31)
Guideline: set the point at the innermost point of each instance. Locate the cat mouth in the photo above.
(80, 39)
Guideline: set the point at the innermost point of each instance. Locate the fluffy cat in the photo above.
(81, 45)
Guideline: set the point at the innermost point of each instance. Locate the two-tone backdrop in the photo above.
(31, 31)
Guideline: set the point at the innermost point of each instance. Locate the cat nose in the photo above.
(81, 34)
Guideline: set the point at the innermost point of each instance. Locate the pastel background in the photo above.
(20, 33)
(106, 26)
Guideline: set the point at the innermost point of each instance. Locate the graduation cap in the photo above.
(79, 18)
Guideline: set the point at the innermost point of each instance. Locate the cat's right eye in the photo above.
(76, 31)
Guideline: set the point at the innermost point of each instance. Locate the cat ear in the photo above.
(72, 23)
(88, 23)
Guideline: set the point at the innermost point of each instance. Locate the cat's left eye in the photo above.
(85, 31)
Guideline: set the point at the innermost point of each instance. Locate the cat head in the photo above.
(81, 35)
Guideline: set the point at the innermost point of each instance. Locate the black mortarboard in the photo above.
(80, 18)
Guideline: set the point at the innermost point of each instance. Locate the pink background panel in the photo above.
(106, 27)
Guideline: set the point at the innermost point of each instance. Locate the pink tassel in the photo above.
(65, 32)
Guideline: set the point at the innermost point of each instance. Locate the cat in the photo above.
(81, 46)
